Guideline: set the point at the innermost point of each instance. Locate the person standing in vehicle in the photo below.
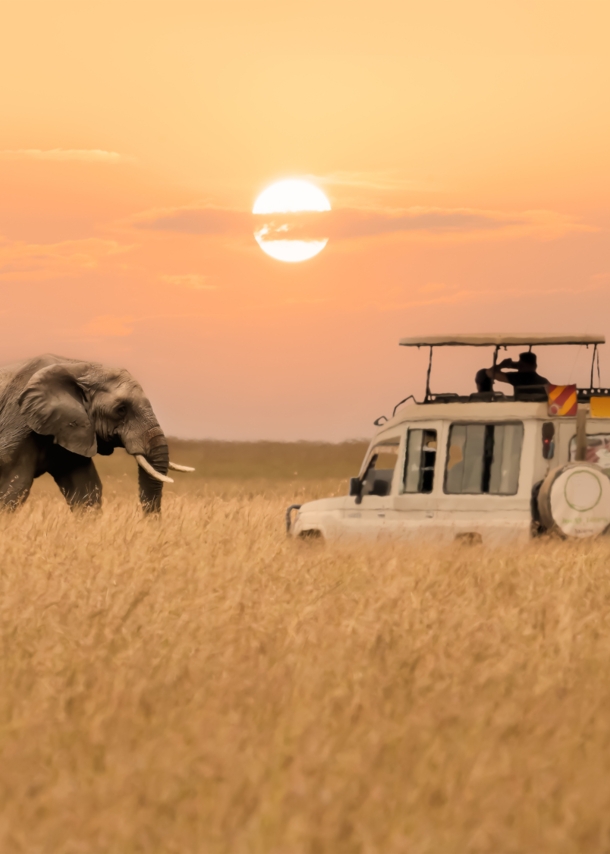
(524, 371)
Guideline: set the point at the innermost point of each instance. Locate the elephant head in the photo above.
(90, 409)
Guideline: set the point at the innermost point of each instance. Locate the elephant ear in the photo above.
(52, 404)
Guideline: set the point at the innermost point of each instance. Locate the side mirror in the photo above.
(355, 486)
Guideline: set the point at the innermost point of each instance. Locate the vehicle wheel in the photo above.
(469, 538)
(574, 501)
(537, 527)
(311, 536)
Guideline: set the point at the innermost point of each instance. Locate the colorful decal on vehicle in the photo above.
(600, 407)
(563, 399)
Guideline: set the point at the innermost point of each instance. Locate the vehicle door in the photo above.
(415, 503)
(367, 513)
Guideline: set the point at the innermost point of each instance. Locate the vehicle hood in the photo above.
(324, 504)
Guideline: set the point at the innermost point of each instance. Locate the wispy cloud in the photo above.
(351, 223)
(357, 223)
(89, 155)
(386, 181)
(20, 260)
(450, 295)
(194, 281)
(196, 220)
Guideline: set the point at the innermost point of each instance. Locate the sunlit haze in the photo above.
(450, 159)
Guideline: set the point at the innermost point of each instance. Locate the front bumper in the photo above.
(288, 517)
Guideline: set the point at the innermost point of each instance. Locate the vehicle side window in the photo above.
(483, 459)
(419, 461)
(380, 470)
(598, 449)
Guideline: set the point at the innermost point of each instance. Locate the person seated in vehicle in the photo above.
(524, 371)
(483, 381)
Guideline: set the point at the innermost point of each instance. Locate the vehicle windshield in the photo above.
(380, 469)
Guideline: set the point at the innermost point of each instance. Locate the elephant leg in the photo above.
(78, 480)
(15, 482)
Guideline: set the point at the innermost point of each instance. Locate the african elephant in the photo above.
(57, 413)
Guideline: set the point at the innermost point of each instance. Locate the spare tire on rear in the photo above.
(574, 501)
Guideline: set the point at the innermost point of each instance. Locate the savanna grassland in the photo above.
(200, 684)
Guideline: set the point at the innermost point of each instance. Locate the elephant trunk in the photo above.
(157, 455)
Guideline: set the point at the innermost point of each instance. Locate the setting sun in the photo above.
(288, 197)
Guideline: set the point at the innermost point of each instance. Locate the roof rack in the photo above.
(501, 339)
(585, 394)
(497, 340)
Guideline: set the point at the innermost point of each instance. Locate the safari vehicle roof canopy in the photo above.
(499, 340)
(503, 339)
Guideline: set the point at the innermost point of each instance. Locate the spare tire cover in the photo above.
(574, 500)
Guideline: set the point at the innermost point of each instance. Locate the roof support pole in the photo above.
(593, 365)
(428, 374)
(493, 365)
(581, 434)
(599, 376)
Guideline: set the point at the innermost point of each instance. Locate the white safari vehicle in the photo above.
(484, 467)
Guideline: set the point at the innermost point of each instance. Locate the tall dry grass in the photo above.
(199, 684)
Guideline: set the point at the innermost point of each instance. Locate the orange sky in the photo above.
(463, 146)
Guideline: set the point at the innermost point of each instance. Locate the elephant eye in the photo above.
(121, 410)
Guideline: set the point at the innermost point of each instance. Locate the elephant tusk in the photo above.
(176, 467)
(143, 463)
